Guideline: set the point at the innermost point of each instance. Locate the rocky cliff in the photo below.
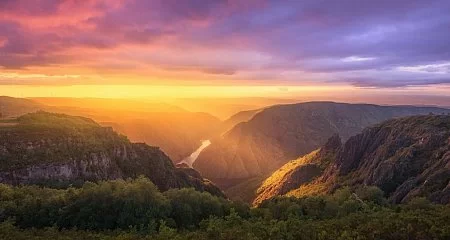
(280, 133)
(406, 158)
(48, 148)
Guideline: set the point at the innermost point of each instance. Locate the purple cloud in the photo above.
(345, 41)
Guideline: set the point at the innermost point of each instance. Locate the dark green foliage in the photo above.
(135, 209)
(382, 224)
(106, 205)
(342, 203)
(189, 207)
(132, 204)
(116, 204)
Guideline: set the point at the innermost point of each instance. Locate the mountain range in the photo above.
(291, 149)
(406, 158)
(252, 150)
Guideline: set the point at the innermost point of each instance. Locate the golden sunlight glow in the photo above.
(146, 91)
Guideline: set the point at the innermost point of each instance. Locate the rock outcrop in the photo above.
(406, 158)
(46, 148)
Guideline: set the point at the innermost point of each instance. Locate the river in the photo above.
(191, 159)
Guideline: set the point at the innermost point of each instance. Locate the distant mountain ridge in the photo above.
(129, 105)
(46, 148)
(406, 158)
(242, 116)
(277, 134)
(13, 107)
(176, 131)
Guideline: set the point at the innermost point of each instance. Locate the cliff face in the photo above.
(47, 148)
(407, 157)
(280, 133)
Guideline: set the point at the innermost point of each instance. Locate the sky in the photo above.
(141, 48)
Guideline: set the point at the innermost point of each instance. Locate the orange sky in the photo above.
(168, 92)
(257, 48)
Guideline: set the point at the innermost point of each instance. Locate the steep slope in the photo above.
(299, 171)
(51, 148)
(406, 158)
(280, 133)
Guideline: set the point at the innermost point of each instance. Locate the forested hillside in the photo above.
(136, 210)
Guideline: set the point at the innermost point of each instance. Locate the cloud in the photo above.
(365, 43)
(40, 79)
(396, 82)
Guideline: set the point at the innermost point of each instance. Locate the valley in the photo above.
(373, 155)
(254, 149)
(243, 150)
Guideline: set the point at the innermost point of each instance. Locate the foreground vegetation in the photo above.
(135, 209)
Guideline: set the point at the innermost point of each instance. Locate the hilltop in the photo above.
(48, 148)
